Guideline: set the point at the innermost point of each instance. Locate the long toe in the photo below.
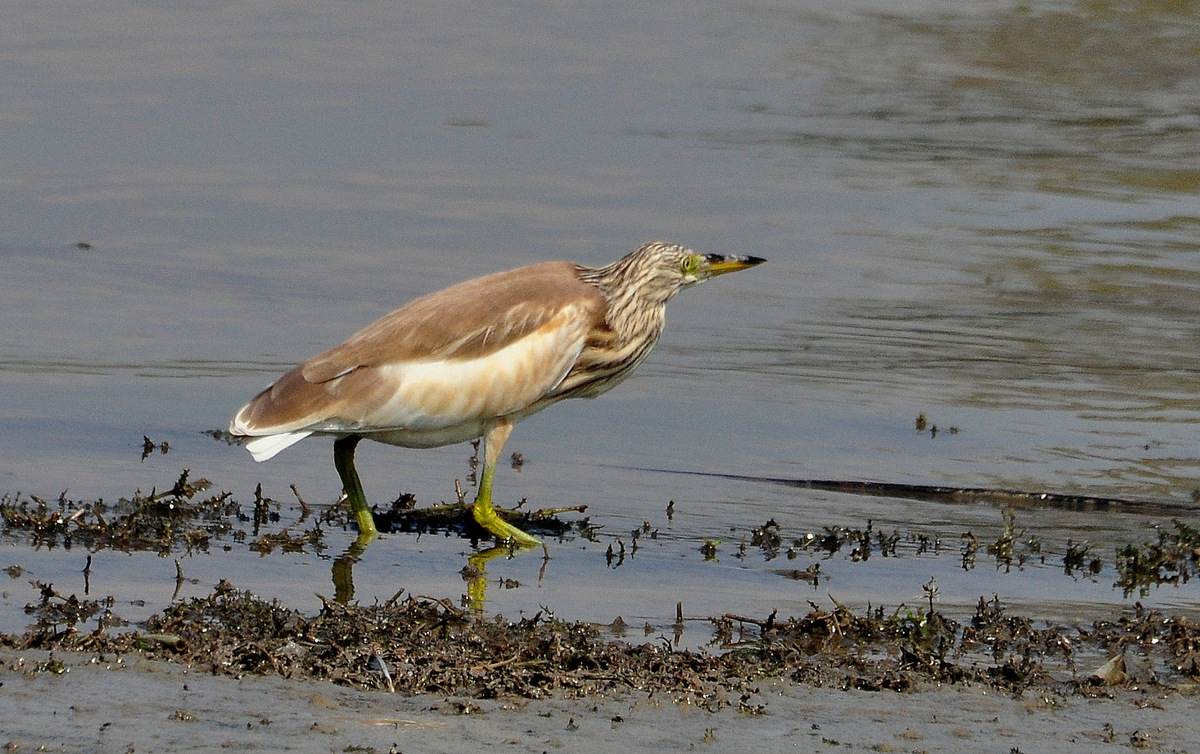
(486, 516)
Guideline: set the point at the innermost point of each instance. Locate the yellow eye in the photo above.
(689, 264)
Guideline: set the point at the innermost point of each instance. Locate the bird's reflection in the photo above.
(343, 568)
(474, 573)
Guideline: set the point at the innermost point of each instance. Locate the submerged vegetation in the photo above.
(426, 644)
(183, 519)
(159, 521)
(189, 517)
(1173, 559)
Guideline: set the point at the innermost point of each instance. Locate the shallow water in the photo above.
(981, 212)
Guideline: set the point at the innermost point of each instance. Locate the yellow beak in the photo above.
(715, 264)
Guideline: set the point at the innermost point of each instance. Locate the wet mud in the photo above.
(432, 645)
(423, 645)
(420, 674)
(460, 661)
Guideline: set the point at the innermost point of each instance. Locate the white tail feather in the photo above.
(264, 448)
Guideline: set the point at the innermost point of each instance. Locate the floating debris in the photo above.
(149, 446)
(404, 516)
(1173, 559)
(158, 522)
(812, 574)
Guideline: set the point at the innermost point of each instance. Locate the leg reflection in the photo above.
(343, 568)
(475, 572)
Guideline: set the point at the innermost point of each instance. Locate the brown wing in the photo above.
(464, 321)
(467, 321)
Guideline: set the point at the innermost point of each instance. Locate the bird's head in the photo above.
(660, 270)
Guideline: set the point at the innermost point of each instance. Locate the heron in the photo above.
(472, 360)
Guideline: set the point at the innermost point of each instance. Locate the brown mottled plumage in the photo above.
(473, 359)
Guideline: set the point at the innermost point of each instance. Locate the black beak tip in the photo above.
(744, 261)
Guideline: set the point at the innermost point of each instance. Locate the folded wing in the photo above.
(479, 350)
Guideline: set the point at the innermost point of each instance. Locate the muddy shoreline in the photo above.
(135, 704)
(419, 674)
(400, 672)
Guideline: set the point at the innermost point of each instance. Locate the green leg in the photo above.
(343, 459)
(485, 513)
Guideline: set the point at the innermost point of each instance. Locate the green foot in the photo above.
(484, 513)
(486, 516)
(366, 523)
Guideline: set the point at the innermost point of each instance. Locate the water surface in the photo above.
(985, 213)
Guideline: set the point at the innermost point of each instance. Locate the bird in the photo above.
(472, 360)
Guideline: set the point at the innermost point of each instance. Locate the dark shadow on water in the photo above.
(947, 494)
